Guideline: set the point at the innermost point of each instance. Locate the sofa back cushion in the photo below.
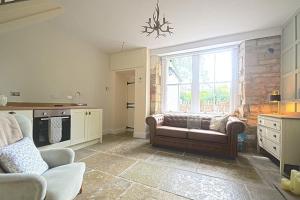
(175, 120)
(187, 121)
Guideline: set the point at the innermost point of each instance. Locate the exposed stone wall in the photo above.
(155, 85)
(259, 69)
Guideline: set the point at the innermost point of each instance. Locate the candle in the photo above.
(285, 184)
(296, 188)
(294, 175)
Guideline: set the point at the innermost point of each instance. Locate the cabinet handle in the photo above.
(260, 139)
(274, 124)
(86, 113)
(260, 130)
(274, 136)
(259, 121)
(274, 148)
(12, 113)
(90, 113)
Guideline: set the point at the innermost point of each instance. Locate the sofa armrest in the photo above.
(234, 126)
(58, 157)
(153, 121)
(22, 186)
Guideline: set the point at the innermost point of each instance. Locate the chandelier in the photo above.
(156, 26)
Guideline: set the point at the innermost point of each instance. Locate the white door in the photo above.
(94, 124)
(130, 104)
(78, 118)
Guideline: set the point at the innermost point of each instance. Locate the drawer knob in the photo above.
(274, 136)
(260, 139)
(274, 148)
(260, 130)
(259, 121)
(274, 124)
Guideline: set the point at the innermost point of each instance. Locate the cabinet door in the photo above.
(94, 124)
(78, 118)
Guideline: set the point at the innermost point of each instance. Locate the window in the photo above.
(201, 82)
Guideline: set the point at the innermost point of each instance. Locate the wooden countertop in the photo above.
(43, 106)
(283, 116)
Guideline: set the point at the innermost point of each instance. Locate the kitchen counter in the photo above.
(283, 116)
(43, 106)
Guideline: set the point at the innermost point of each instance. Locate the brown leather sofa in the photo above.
(171, 131)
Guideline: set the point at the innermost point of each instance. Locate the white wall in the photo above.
(47, 65)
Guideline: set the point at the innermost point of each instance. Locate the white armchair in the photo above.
(62, 181)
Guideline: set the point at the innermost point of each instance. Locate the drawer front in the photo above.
(27, 113)
(262, 131)
(260, 140)
(270, 123)
(273, 135)
(272, 148)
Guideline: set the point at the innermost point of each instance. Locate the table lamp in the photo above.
(275, 97)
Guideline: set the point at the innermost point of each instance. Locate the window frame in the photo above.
(195, 85)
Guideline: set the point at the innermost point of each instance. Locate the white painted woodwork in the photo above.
(78, 126)
(279, 135)
(93, 123)
(86, 125)
(18, 15)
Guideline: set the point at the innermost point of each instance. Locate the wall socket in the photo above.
(15, 94)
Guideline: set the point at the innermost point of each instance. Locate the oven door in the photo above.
(40, 130)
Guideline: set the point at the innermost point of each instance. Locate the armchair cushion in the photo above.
(64, 182)
(22, 157)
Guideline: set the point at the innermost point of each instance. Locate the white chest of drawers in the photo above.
(280, 136)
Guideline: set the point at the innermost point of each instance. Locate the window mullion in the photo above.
(195, 84)
(214, 84)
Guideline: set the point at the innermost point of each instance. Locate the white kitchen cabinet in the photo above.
(86, 125)
(94, 124)
(78, 126)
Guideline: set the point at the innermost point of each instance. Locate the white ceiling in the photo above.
(108, 23)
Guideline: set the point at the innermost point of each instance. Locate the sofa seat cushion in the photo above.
(172, 131)
(207, 135)
(64, 182)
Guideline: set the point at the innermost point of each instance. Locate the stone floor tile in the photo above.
(108, 163)
(97, 185)
(184, 183)
(109, 142)
(174, 160)
(83, 153)
(229, 171)
(141, 192)
(146, 173)
(259, 193)
(133, 152)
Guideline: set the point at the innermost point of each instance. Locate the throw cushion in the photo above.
(10, 131)
(22, 157)
(219, 123)
(194, 122)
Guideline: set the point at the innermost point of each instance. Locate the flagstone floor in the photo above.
(126, 168)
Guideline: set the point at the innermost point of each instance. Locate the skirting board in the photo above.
(85, 144)
(115, 131)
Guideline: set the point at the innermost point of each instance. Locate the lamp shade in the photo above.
(275, 97)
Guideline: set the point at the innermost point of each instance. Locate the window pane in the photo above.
(172, 98)
(206, 98)
(222, 92)
(185, 98)
(179, 70)
(223, 66)
(206, 70)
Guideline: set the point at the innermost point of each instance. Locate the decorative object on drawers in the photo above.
(279, 135)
